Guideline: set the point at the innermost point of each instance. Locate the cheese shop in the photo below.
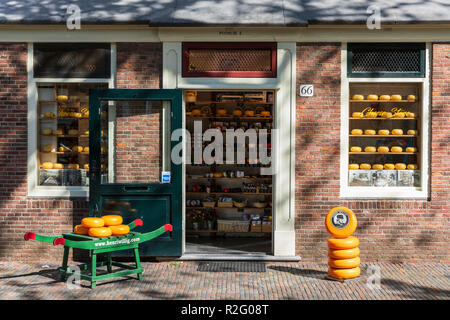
(239, 128)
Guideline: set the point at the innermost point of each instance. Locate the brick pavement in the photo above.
(176, 280)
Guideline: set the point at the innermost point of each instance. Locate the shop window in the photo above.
(74, 60)
(63, 133)
(385, 60)
(246, 60)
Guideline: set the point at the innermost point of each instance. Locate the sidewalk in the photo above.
(176, 280)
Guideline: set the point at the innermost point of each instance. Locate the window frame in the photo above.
(348, 192)
(33, 188)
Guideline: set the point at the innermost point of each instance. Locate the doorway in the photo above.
(228, 173)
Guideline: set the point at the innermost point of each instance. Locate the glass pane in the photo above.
(135, 144)
(384, 135)
(63, 137)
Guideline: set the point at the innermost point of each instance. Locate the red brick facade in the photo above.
(406, 230)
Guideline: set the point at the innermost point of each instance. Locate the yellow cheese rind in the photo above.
(353, 166)
(383, 132)
(400, 166)
(355, 149)
(383, 149)
(365, 166)
(397, 132)
(389, 166)
(357, 132)
(396, 149)
(370, 149)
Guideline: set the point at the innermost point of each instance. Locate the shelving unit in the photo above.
(203, 106)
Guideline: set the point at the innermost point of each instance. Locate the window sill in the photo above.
(383, 193)
(59, 192)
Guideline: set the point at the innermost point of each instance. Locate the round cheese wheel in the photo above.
(365, 166)
(383, 149)
(383, 132)
(62, 98)
(86, 149)
(411, 97)
(249, 113)
(77, 149)
(344, 273)
(237, 112)
(372, 97)
(77, 115)
(410, 114)
(343, 254)
(377, 166)
(370, 132)
(389, 166)
(196, 112)
(353, 166)
(58, 166)
(357, 115)
(86, 166)
(265, 113)
(358, 97)
(47, 148)
(100, 232)
(357, 131)
(355, 149)
(79, 229)
(386, 115)
(344, 263)
(345, 227)
(400, 166)
(343, 244)
(396, 149)
(49, 115)
(397, 132)
(58, 132)
(396, 97)
(120, 230)
(412, 166)
(411, 149)
(411, 132)
(222, 112)
(370, 149)
(112, 220)
(92, 222)
(46, 131)
(73, 166)
(399, 115)
(371, 114)
(47, 165)
(385, 97)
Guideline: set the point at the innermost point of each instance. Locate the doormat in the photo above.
(240, 266)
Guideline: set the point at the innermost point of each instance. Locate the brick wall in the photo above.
(406, 230)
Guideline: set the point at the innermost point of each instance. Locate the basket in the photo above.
(209, 204)
(228, 204)
(239, 204)
(232, 226)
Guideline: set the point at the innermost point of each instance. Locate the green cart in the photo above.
(102, 245)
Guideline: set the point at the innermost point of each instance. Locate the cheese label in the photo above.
(340, 219)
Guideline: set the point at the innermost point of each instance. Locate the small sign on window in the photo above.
(165, 176)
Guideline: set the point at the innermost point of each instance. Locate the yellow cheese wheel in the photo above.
(86, 166)
(120, 230)
(411, 132)
(73, 166)
(49, 115)
(365, 166)
(411, 149)
(385, 97)
(46, 131)
(47, 165)
(386, 115)
(383, 132)
(344, 273)
(357, 115)
(237, 112)
(372, 97)
(411, 97)
(58, 132)
(92, 222)
(410, 114)
(412, 167)
(343, 244)
(357, 132)
(249, 113)
(353, 166)
(265, 113)
(370, 149)
(86, 114)
(77, 114)
(396, 149)
(58, 166)
(377, 166)
(399, 115)
(79, 229)
(371, 114)
(86, 149)
(344, 263)
(341, 227)
(221, 112)
(112, 220)
(397, 132)
(370, 132)
(77, 149)
(100, 232)
(343, 254)
(358, 97)
(355, 149)
(400, 166)
(196, 112)
(396, 97)
(383, 149)
(47, 148)
(389, 166)
(62, 98)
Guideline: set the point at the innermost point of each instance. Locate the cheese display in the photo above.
(48, 148)
(377, 166)
(355, 149)
(396, 97)
(396, 149)
(411, 97)
(100, 232)
(47, 165)
(370, 149)
(411, 149)
(371, 114)
(358, 97)
(372, 97)
(365, 166)
(58, 132)
(73, 166)
(46, 131)
(58, 166)
(412, 132)
(62, 98)
(357, 132)
(400, 166)
(385, 97)
(383, 149)
(412, 166)
(383, 132)
(399, 115)
(386, 115)
(389, 166)
(410, 114)
(353, 166)
(397, 132)
(370, 132)
(77, 149)
(357, 115)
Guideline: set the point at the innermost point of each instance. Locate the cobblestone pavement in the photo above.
(181, 280)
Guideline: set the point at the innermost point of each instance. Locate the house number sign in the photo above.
(306, 90)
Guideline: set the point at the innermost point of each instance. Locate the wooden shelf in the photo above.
(228, 102)
(384, 136)
(406, 153)
(416, 118)
(65, 152)
(231, 118)
(386, 101)
(226, 193)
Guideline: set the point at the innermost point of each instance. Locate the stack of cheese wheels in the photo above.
(343, 251)
(106, 226)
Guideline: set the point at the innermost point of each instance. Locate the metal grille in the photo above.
(201, 60)
(227, 266)
(72, 60)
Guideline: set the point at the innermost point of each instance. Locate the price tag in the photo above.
(306, 90)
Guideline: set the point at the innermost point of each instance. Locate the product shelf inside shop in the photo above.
(415, 118)
(399, 153)
(384, 101)
(383, 136)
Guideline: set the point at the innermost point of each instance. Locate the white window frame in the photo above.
(33, 189)
(421, 192)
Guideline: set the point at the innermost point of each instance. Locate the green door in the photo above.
(131, 170)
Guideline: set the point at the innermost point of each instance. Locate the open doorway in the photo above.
(228, 172)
